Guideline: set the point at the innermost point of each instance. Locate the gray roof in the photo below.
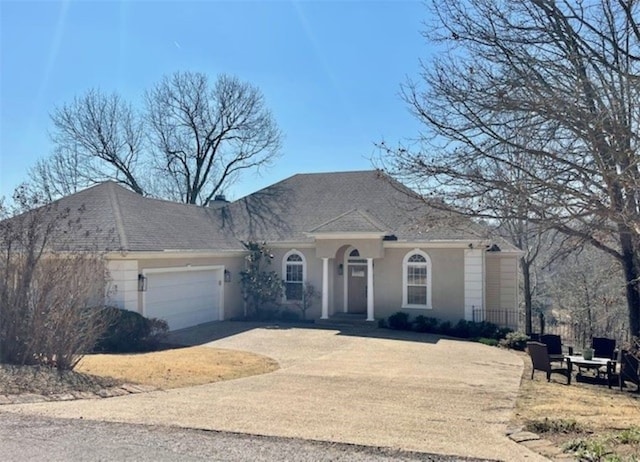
(362, 201)
(110, 217)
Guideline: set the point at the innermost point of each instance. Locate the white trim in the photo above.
(405, 265)
(325, 289)
(347, 235)
(284, 271)
(182, 269)
(370, 305)
(441, 244)
(168, 254)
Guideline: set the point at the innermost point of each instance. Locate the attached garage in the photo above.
(184, 297)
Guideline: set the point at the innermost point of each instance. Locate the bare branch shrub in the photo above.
(50, 300)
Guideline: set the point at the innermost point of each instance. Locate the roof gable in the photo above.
(351, 221)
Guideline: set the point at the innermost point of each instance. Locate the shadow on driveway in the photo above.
(211, 331)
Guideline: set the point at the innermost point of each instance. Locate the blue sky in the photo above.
(330, 70)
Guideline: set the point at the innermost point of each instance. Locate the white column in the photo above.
(370, 290)
(325, 289)
(473, 282)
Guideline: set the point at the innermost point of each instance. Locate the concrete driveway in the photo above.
(414, 392)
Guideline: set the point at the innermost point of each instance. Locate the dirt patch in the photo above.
(181, 367)
(15, 380)
(599, 413)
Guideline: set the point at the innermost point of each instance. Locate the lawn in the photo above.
(179, 367)
(604, 423)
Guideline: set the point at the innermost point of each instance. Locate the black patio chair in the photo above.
(628, 369)
(604, 347)
(554, 346)
(540, 361)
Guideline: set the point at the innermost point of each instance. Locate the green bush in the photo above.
(515, 341)
(289, 316)
(399, 321)
(488, 341)
(425, 324)
(446, 328)
(130, 332)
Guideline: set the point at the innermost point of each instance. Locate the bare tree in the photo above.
(587, 295)
(556, 82)
(97, 137)
(207, 135)
(49, 299)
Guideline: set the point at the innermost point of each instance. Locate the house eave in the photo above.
(164, 254)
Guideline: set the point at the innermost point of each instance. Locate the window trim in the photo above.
(405, 275)
(303, 263)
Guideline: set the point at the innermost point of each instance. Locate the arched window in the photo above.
(416, 280)
(294, 269)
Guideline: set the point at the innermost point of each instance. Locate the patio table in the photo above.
(594, 363)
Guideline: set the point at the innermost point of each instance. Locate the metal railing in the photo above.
(512, 319)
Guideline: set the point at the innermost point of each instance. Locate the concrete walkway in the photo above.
(414, 392)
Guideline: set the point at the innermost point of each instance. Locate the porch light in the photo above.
(227, 275)
(142, 283)
(340, 269)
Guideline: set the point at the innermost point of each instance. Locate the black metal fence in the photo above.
(503, 318)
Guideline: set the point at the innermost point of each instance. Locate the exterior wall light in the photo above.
(227, 275)
(142, 283)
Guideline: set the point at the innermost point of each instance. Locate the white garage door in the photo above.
(183, 298)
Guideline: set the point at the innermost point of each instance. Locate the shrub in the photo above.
(382, 323)
(488, 341)
(399, 321)
(131, 332)
(425, 324)
(515, 341)
(553, 426)
(446, 328)
(289, 316)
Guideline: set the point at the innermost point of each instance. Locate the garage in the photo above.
(184, 297)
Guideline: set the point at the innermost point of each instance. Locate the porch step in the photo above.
(348, 320)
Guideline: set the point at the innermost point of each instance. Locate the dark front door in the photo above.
(357, 287)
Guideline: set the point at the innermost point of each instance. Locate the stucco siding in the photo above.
(122, 287)
(447, 284)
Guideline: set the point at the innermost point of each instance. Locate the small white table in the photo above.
(593, 363)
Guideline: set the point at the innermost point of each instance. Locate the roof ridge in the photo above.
(117, 213)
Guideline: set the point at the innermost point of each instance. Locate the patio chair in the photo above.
(541, 361)
(628, 369)
(604, 347)
(554, 346)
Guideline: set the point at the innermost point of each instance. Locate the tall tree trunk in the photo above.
(526, 277)
(631, 273)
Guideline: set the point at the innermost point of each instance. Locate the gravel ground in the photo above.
(36, 438)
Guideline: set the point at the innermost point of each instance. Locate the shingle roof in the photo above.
(304, 203)
(351, 221)
(110, 217)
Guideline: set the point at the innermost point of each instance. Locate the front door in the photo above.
(357, 288)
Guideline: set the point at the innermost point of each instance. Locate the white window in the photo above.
(416, 280)
(294, 267)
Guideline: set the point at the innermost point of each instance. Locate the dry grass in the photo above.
(596, 409)
(181, 367)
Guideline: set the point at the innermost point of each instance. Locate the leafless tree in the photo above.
(49, 299)
(189, 142)
(555, 81)
(97, 137)
(587, 294)
(207, 135)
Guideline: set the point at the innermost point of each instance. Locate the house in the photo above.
(368, 244)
